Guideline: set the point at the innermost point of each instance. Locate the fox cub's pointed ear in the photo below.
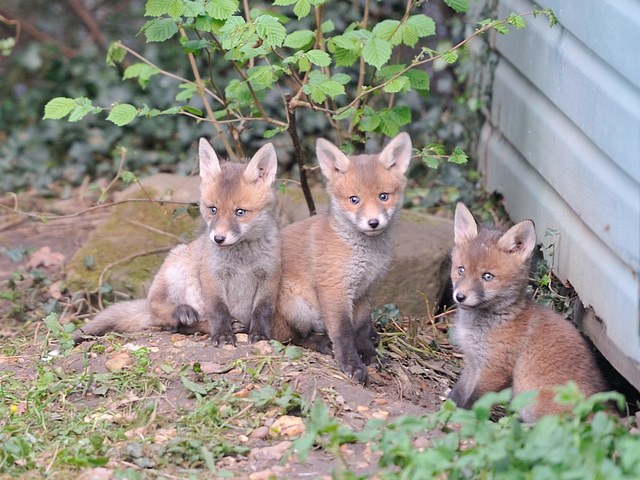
(465, 227)
(263, 165)
(209, 163)
(519, 239)
(331, 159)
(397, 154)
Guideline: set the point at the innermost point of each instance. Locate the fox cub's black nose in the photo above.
(373, 223)
(460, 297)
(219, 239)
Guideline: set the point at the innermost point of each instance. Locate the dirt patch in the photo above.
(407, 384)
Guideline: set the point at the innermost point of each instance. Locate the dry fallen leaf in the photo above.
(44, 258)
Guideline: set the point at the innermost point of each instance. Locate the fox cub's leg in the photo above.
(220, 323)
(366, 337)
(260, 327)
(342, 334)
(464, 392)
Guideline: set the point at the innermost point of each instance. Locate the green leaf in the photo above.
(142, 71)
(319, 58)
(188, 90)
(122, 114)
(450, 57)
(193, 9)
(400, 114)
(347, 113)
(273, 132)
(115, 53)
(221, 9)
(376, 52)
(176, 9)
(419, 79)
(304, 65)
(345, 58)
(302, 8)
(369, 123)
(458, 156)
(284, 3)
(271, 30)
(396, 85)
(157, 8)
(82, 107)
(389, 30)
(58, 108)
(192, 386)
(501, 28)
(417, 26)
(458, 5)
(516, 20)
(292, 352)
(161, 30)
(341, 78)
(299, 40)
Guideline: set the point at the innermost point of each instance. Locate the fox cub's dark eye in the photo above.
(461, 271)
(487, 277)
(213, 210)
(384, 197)
(354, 200)
(240, 212)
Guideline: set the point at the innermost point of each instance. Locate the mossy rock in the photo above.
(128, 231)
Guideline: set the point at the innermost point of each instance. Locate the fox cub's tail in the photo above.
(123, 317)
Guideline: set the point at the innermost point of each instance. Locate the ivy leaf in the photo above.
(376, 51)
(458, 5)
(160, 30)
(221, 9)
(299, 40)
(122, 114)
(58, 108)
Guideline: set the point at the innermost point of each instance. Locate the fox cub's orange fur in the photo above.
(226, 280)
(507, 339)
(331, 262)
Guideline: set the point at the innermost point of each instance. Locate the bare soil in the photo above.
(409, 384)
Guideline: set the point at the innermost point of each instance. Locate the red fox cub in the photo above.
(225, 281)
(508, 340)
(330, 263)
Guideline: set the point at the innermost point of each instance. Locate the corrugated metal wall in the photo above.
(563, 146)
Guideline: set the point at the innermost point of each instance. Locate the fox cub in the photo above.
(331, 262)
(507, 340)
(225, 281)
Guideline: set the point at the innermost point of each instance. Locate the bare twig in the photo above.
(293, 133)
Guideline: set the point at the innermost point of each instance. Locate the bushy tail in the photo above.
(123, 317)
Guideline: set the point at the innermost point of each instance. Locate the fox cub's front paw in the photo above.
(185, 315)
(355, 369)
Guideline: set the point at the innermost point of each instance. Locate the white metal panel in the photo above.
(599, 100)
(605, 198)
(603, 281)
(610, 28)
